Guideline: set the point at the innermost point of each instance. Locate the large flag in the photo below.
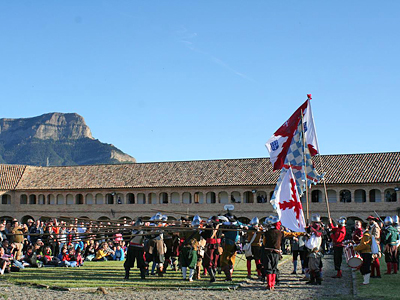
(278, 145)
(298, 159)
(288, 204)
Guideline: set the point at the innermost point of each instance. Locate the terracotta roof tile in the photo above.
(10, 176)
(340, 169)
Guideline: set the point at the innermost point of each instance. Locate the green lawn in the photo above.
(111, 274)
(387, 287)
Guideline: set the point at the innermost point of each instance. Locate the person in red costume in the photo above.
(338, 234)
(358, 232)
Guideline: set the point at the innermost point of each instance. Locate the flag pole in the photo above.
(305, 163)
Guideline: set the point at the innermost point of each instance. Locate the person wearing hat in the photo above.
(213, 239)
(364, 248)
(136, 251)
(338, 234)
(375, 231)
(254, 238)
(391, 237)
(18, 232)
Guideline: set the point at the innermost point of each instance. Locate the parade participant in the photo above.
(213, 239)
(391, 237)
(271, 250)
(314, 266)
(375, 231)
(254, 235)
(358, 232)
(136, 252)
(314, 233)
(188, 248)
(229, 242)
(338, 235)
(298, 250)
(364, 248)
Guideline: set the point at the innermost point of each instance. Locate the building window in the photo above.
(79, 199)
(316, 196)
(360, 196)
(345, 196)
(210, 197)
(199, 197)
(130, 198)
(390, 195)
(163, 198)
(32, 199)
(375, 195)
(5, 199)
(109, 199)
(332, 198)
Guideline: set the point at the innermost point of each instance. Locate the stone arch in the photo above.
(69, 199)
(89, 199)
(236, 197)
(79, 199)
(23, 199)
(186, 198)
(60, 199)
(152, 198)
(6, 199)
(32, 199)
(248, 197)
(360, 196)
(262, 197)
(345, 196)
(332, 197)
(130, 198)
(26, 218)
(175, 198)
(223, 197)
(6, 218)
(141, 198)
(51, 199)
(110, 198)
(198, 198)
(99, 199)
(120, 198)
(41, 199)
(244, 220)
(390, 195)
(211, 198)
(163, 198)
(103, 218)
(375, 195)
(316, 196)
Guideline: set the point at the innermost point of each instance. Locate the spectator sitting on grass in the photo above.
(5, 262)
(79, 258)
(48, 259)
(31, 258)
(119, 254)
(90, 252)
(103, 253)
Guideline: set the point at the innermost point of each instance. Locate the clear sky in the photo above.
(190, 80)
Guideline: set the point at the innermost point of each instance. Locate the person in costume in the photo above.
(314, 231)
(375, 231)
(229, 242)
(391, 246)
(338, 234)
(213, 239)
(298, 250)
(254, 234)
(358, 232)
(136, 252)
(364, 248)
(314, 266)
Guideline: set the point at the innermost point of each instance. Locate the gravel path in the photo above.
(290, 288)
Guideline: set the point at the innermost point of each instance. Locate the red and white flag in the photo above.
(288, 205)
(278, 145)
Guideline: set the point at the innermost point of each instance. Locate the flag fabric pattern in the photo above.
(278, 145)
(288, 205)
(300, 166)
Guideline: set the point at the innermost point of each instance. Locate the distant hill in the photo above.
(54, 139)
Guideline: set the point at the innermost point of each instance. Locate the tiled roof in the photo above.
(9, 176)
(340, 169)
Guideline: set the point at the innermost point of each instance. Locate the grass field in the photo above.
(387, 287)
(111, 274)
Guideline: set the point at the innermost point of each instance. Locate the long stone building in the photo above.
(357, 185)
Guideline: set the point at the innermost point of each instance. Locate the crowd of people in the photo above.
(199, 247)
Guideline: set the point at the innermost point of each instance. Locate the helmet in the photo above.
(267, 221)
(254, 221)
(396, 219)
(164, 218)
(274, 219)
(316, 218)
(388, 220)
(223, 219)
(342, 221)
(139, 222)
(196, 221)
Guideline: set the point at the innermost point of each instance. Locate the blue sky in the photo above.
(190, 80)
